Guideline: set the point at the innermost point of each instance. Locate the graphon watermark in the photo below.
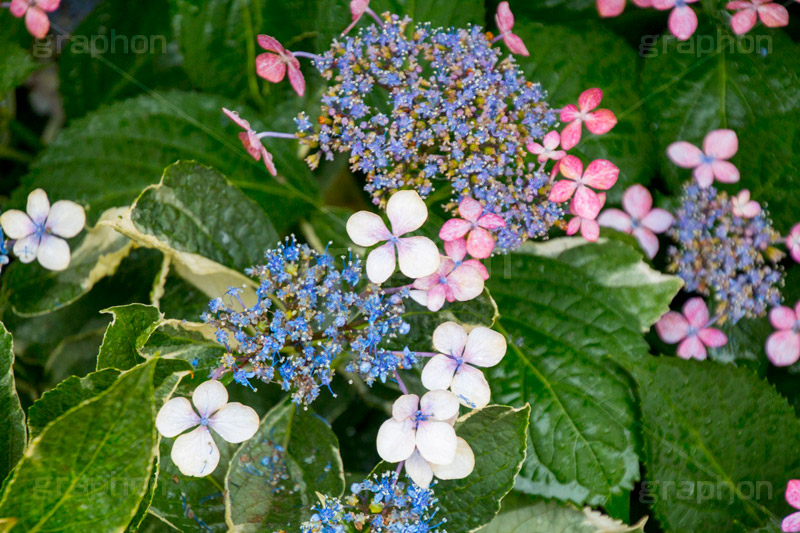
(695, 491)
(100, 45)
(704, 45)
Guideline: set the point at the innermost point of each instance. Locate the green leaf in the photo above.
(196, 210)
(550, 517)
(89, 466)
(716, 80)
(15, 66)
(274, 476)
(37, 291)
(126, 335)
(564, 332)
(641, 291)
(720, 445)
(12, 417)
(193, 343)
(112, 55)
(180, 299)
(560, 62)
(496, 435)
(105, 159)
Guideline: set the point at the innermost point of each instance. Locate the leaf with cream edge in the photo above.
(12, 418)
(550, 517)
(564, 333)
(128, 332)
(642, 291)
(115, 447)
(274, 477)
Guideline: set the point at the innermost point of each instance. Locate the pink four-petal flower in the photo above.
(548, 148)
(588, 226)
(793, 242)
(742, 206)
(710, 163)
(682, 20)
(691, 329)
(598, 122)
(475, 225)
(613, 8)
(457, 251)
(251, 142)
(783, 346)
(273, 64)
(771, 14)
(505, 23)
(35, 13)
(639, 218)
(450, 282)
(600, 174)
(791, 524)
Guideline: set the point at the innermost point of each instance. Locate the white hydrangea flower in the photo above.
(452, 368)
(418, 256)
(195, 453)
(40, 233)
(422, 471)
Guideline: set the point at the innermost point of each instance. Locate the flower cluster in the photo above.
(383, 504)
(307, 314)
(726, 256)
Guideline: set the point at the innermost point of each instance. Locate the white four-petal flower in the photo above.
(418, 256)
(195, 453)
(39, 233)
(453, 367)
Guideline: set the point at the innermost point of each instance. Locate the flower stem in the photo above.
(496, 39)
(372, 14)
(400, 383)
(307, 55)
(276, 135)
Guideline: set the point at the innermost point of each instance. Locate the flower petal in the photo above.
(610, 8)
(450, 338)
(696, 312)
(585, 203)
(439, 404)
(725, 171)
(406, 211)
(704, 175)
(616, 219)
(783, 347)
(270, 67)
(234, 116)
(551, 140)
(235, 422)
(381, 263)
(26, 248)
(195, 453)
(743, 21)
(175, 417)
(782, 317)
(462, 465)
(637, 201)
(477, 265)
(53, 253)
(471, 387)
(491, 221)
(589, 99)
(470, 209)
(436, 441)
(419, 470)
(434, 299)
(712, 337)
(721, 144)
(66, 219)
(773, 15)
(367, 229)
(480, 243)
(682, 22)
(438, 372)
(209, 397)
(672, 327)
(562, 190)
(535, 148)
(395, 440)
(504, 17)
(590, 229)
(38, 206)
(18, 7)
(456, 249)
(571, 134)
(418, 256)
(574, 224)
(601, 174)
(791, 523)
(684, 154)
(485, 347)
(793, 493)
(601, 121)
(466, 282)
(48, 5)
(16, 224)
(453, 229)
(405, 406)
(37, 22)
(296, 79)
(647, 240)
(515, 44)
(692, 348)
(270, 43)
(658, 220)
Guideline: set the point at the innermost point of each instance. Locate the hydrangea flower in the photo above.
(421, 471)
(682, 19)
(548, 149)
(710, 163)
(600, 174)
(639, 218)
(251, 142)
(457, 251)
(35, 13)
(588, 226)
(791, 524)
(783, 346)
(598, 122)
(475, 225)
(505, 23)
(272, 65)
(418, 256)
(450, 282)
(458, 354)
(40, 233)
(793, 242)
(613, 8)
(772, 15)
(743, 206)
(195, 453)
(692, 330)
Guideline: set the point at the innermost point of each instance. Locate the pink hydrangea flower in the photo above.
(273, 64)
(457, 251)
(600, 174)
(505, 23)
(710, 163)
(613, 8)
(639, 218)
(742, 206)
(251, 142)
(598, 122)
(771, 14)
(475, 225)
(791, 524)
(682, 20)
(450, 282)
(692, 329)
(783, 346)
(35, 12)
(588, 226)
(793, 242)
(549, 150)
